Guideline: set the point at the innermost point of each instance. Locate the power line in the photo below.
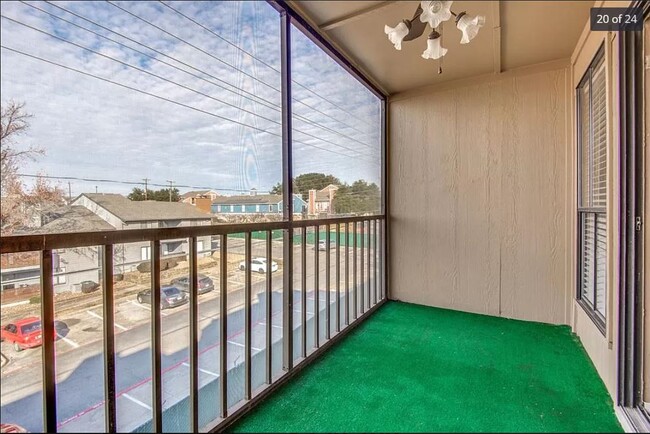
(164, 98)
(235, 68)
(303, 118)
(169, 184)
(172, 82)
(267, 104)
(257, 58)
(194, 46)
(220, 37)
(138, 69)
(113, 181)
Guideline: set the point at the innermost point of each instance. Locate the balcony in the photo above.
(346, 236)
(412, 368)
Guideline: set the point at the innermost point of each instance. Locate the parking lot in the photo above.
(78, 352)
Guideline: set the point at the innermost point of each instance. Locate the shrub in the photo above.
(35, 300)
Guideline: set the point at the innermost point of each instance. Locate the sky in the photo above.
(197, 104)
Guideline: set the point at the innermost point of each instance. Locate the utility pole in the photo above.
(171, 185)
(69, 193)
(146, 180)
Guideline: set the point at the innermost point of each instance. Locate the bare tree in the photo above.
(13, 124)
(20, 206)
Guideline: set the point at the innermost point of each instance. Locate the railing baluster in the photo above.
(269, 306)
(109, 339)
(347, 274)
(47, 320)
(303, 293)
(374, 258)
(156, 338)
(382, 259)
(247, 316)
(223, 328)
(362, 285)
(316, 289)
(368, 246)
(338, 278)
(354, 271)
(194, 336)
(327, 282)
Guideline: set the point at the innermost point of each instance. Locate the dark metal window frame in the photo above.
(631, 291)
(376, 230)
(583, 212)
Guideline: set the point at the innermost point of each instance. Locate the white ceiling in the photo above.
(516, 33)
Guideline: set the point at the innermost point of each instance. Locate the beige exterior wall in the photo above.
(483, 197)
(478, 197)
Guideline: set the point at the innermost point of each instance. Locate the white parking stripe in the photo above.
(91, 313)
(205, 371)
(272, 325)
(244, 346)
(135, 303)
(297, 310)
(137, 401)
(68, 341)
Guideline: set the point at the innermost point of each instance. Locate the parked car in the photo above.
(205, 284)
(88, 286)
(322, 245)
(24, 333)
(259, 265)
(170, 296)
(10, 427)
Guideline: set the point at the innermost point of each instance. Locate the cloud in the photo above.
(94, 129)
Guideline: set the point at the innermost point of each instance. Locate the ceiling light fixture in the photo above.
(434, 13)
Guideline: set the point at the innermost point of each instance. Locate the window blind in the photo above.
(592, 201)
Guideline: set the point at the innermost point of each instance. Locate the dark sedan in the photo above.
(170, 296)
(205, 283)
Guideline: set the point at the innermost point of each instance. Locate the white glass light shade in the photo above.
(435, 12)
(396, 34)
(469, 26)
(434, 49)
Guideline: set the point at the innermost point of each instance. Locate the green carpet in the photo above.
(412, 368)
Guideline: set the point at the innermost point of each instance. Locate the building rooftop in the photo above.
(195, 193)
(148, 210)
(323, 196)
(71, 219)
(248, 199)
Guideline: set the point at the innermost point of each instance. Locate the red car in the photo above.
(24, 333)
(10, 427)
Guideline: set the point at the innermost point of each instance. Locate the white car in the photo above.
(322, 245)
(259, 265)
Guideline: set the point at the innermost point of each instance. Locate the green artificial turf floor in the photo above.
(414, 368)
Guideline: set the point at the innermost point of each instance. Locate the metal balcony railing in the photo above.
(362, 285)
